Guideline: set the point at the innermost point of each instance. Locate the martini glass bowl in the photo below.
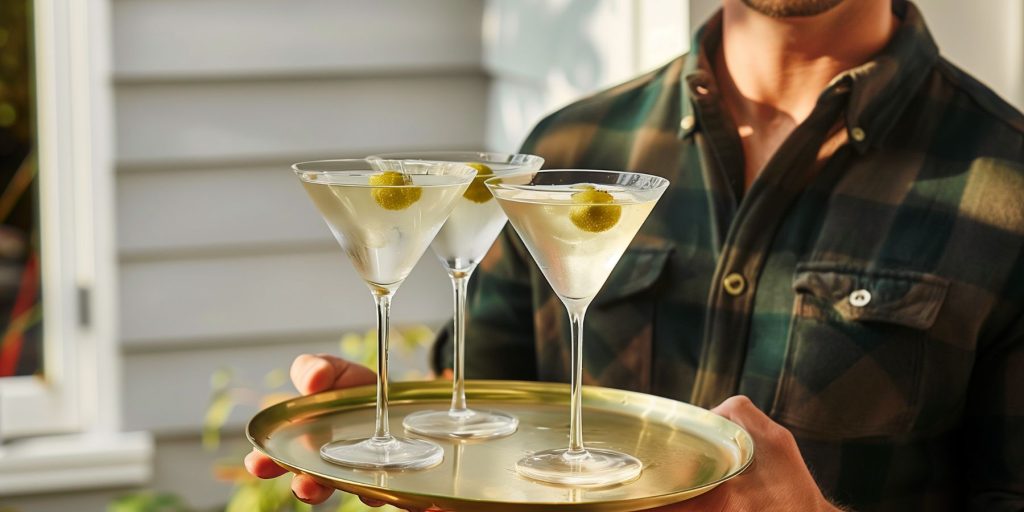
(384, 214)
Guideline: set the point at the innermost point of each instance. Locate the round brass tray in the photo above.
(686, 450)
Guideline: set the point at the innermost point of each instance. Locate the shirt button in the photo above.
(734, 284)
(860, 298)
(858, 134)
(687, 122)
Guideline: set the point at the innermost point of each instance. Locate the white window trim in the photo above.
(79, 397)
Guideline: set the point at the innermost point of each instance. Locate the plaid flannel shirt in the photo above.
(872, 303)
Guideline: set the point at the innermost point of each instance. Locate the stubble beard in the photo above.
(791, 8)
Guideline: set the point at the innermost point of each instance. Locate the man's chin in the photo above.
(792, 8)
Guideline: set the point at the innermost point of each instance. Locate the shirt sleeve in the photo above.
(994, 427)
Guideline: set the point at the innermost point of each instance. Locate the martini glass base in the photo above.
(390, 453)
(592, 468)
(467, 424)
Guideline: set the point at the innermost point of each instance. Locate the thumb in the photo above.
(322, 372)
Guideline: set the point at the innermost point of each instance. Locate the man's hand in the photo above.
(778, 480)
(312, 374)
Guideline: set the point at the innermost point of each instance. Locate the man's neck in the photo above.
(784, 63)
(771, 70)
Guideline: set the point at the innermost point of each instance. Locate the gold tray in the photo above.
(686, 450)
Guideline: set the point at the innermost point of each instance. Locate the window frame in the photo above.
(79, 396)
(78, 389)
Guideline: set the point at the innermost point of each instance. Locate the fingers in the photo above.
(261, 466)
(372, 503)
(308, 491)
(315, 373)
(767, 434)
(735, 405)
(739, 409)
(312, 374)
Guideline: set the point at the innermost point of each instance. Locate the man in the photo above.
(841, 244)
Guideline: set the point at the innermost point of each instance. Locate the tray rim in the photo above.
(476, 387)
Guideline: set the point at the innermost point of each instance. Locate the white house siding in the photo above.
(223, 260)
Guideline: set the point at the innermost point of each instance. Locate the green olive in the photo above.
(394, 193)
(596, 211)
(477, 191)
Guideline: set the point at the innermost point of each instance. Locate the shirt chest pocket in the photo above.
(855, 349)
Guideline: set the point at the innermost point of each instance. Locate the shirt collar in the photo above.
(697, 71)
(880, 88)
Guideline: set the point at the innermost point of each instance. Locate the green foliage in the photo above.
(352, 503)
(362, 348)
(219, 410)
(265, 496)
(275, 379)
(16, 91)
(226, 393)
(148, 502)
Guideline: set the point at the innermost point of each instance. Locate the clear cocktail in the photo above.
(460, 245)
(384, 213)
(576, 225)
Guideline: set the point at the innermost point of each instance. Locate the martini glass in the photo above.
(384, 213)
(460, 245)
(576, 225)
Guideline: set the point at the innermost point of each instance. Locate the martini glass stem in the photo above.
(460, 280)
(576, 314)
(383, 301)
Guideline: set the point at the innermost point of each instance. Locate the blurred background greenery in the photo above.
(228, 392)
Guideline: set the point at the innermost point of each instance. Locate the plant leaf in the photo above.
(275, 378)
(217, 415)
(221, 379)
(148, 502)
(245, 499)
(352, 346)
(417, 336)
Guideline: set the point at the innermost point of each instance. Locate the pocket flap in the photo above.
(901, 297)
(638, 269)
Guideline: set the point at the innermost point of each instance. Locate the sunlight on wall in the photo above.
(545, 54)
(984, 38)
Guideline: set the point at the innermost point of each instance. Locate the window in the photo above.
(20, 300)
(35, 349)
(71, 386)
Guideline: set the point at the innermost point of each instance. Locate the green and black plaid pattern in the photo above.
(872, 302)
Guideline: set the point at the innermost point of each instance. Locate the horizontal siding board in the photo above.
(223, 261)
(183, 466)
(158, 381)
(164, 123)
(268, 295)
(161, 39)
(233, 207)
